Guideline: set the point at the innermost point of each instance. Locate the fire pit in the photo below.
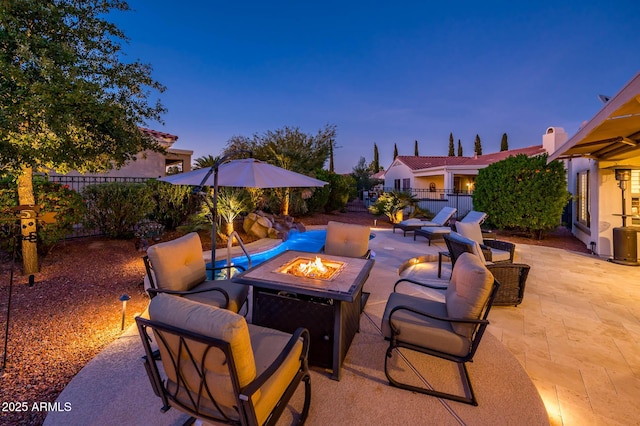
(306, 267)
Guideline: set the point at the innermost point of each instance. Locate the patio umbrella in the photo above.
(244, 173)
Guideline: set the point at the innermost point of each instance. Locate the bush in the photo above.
(173, 203)
(115, 208)
(318, 201)
(522, 193)
(391, 203)
(64, 205)
(342, 189)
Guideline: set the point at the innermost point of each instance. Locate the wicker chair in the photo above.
(511, 276)
(215, 367)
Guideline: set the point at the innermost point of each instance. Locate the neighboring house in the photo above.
(151, 164)
(439, 174)
(607, 143)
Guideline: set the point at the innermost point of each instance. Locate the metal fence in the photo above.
(77, 183)
(431, 200)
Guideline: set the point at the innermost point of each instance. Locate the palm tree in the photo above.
(205, 162)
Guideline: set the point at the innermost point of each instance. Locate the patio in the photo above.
(575, 334)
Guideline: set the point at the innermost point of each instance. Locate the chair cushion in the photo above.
(474, 217)
(470, 230)
(267, 345)
(468, 291)
(411, 222)
(423, 331)
(237, 294)
(178, 264)
(346, 239)
(500, 255)
(212, 322)
(431, 230)
(443, 216)
(477, 250)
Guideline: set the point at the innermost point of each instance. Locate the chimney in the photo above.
(553, 139)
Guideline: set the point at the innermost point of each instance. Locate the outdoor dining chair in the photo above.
(177, 267)
(215, 367)
(440, 219)
(450, 330)
(511, 276)
(347, 239)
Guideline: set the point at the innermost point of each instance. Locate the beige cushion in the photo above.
(443, 216)
(476, 249)
(212, 322)
(346, 239)
(468, 291)
(178, 264)
(470, 230)
(500, 255)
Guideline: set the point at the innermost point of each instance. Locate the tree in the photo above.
(67, 101)
(459, 148)
(376, 159)
(452, 151)
(288, 148)
(205, 162)
(331, 169)
(415, 149)
(362, 175)
(477, 147)
(522, 193)
(504, 144)
(395, 151)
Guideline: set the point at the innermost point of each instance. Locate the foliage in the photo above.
(391, 203)
(65, 204)
(231, 203)
(204, 162)
(342, 189)
(361, 173)
(452, 151)
(173, 203)
(376, 159)
(459, 148)
(318, 201)
(115, 208)
(504, 143)
(522, 193)
(395, 151)
(477, 146)
(415, 148)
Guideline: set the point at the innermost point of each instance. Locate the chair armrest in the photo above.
(436, 317)
(154, 291)
(502, 245)
(409, 280)
(258, 382)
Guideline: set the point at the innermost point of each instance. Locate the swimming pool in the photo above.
(311, 241)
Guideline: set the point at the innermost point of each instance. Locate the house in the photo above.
(603, 169)
(439, 174)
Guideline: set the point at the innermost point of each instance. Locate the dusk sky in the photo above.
(382, 72)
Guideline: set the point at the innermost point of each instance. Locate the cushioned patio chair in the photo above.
(436, 232)
(441, 219)
(450, 330)
(347, 239)
(215, 367)
(177, 267)
(495, 251)
(511, 276)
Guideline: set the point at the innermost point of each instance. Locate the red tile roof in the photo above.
(426, 162)
(167, 137)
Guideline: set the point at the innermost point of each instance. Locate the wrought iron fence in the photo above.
(431, 200)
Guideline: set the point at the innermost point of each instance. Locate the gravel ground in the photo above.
(73, 311)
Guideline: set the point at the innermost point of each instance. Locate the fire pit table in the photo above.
(292, 290)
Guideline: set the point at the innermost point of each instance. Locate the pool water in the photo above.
(311, 241)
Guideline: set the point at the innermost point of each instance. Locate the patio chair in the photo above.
(215, 367)
(436, 232)
(450, 330)
(441, 219)
(177, 267)
(511, 276)
(347, 239)
(495, 251)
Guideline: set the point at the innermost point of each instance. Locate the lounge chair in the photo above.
(216, 368)
(436, 232)
(441, 219)
(450, 330)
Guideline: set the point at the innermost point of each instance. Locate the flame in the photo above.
(313, 268)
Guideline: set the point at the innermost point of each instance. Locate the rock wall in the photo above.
(265, 225)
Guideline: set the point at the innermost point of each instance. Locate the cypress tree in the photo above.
(415, 148)
(459, 148)
(477, 146)
(395, 151)
(376, 159)
(452, 151)
(504, 144)
(331, 156)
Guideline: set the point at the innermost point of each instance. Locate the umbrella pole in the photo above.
(214, 213)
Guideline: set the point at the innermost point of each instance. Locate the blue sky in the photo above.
(382, 72)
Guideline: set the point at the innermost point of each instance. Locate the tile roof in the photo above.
(162, 136)
(426, 162)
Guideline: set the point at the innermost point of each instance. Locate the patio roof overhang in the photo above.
(612, 136)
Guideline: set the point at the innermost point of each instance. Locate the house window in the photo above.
(396, 184)
(635, 181)
(406, 184)
(582, 202)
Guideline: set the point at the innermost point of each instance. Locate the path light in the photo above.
(124, 299)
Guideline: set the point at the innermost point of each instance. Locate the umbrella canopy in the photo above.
(246, 173)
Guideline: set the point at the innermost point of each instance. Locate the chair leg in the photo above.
(469, 397)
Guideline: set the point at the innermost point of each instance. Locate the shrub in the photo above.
(391, 203)
(115, 208)
(342, 189)
(522, 193)
(318, 201)
(62, 204)
(173, 203)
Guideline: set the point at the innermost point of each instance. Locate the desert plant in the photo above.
(522, 193)
(391, 204)
(173, 203)
(231, 203)
(115, 208)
